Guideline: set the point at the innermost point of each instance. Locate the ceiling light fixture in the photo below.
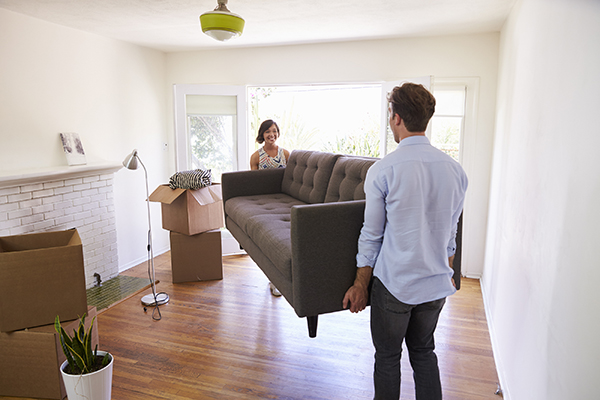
(221, 24)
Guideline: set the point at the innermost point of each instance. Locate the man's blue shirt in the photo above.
(414, 197)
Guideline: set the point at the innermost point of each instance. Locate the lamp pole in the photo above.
(152, 299)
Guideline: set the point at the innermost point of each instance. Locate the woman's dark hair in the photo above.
(414, 104)
(265, 127)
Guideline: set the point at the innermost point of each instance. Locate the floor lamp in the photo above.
(154, 299)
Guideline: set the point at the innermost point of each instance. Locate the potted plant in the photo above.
(87, 374)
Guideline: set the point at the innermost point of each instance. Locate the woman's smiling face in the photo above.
(271, 134)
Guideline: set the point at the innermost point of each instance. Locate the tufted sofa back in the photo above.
(307, 174)
(347, 180)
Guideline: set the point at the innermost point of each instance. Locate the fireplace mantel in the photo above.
(32, 176)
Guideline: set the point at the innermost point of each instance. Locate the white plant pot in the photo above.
(94, 386)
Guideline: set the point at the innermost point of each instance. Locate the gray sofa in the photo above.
(300, 224)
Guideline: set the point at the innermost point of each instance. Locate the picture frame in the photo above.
(73, 148)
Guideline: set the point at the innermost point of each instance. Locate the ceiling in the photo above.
(173, 25)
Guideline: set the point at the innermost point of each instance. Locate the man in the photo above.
(414, 197)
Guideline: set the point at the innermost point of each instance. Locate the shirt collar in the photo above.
(413, 140)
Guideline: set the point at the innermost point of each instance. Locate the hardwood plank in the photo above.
(230, 339)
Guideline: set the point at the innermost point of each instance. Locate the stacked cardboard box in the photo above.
(41, 276)
(194, 218)
(30, 360)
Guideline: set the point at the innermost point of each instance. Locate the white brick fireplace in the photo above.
(62, 198)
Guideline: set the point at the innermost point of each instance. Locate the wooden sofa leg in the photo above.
(312, 325)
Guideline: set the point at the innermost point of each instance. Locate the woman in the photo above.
(270, 155)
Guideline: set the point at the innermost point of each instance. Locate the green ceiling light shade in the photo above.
(221, 24)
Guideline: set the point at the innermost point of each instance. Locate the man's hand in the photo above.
(356, 298)
(357, 295)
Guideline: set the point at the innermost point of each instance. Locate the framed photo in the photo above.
(73, 148)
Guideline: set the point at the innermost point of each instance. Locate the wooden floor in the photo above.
(230, 339)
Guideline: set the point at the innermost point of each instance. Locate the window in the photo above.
(211, 125)
(210, 128)
(447, 124)
(340, 119)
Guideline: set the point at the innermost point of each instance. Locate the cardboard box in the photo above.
(41, 275)
(190, 212)
(30, 360)
(196, 258)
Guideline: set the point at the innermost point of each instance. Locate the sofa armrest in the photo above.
(324, 246)
(248, 183)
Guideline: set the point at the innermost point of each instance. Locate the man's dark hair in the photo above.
(265, 127)
(414, 104)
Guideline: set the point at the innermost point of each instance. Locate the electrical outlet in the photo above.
(165, 146)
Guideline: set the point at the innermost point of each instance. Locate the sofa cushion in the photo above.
(266, 219)
(307, 175)
(348, 179)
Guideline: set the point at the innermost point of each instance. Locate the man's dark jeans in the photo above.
(393, 321)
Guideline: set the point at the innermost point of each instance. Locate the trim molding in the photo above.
(28, 177)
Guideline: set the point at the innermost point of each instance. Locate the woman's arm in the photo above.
(254, 160)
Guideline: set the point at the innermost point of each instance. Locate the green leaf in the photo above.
(88, 345)
(106, 359)
(65, 342)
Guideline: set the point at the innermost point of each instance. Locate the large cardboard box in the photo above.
(190, 212)
(30, 360)
(41, 275)
(196, 258)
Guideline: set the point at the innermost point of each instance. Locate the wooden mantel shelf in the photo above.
(32, 176)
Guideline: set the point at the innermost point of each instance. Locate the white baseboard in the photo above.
(140, 260)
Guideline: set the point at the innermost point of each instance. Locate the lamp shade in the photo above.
(131, 161)
(222, 25)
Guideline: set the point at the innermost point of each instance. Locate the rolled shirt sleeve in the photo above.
(371, 235)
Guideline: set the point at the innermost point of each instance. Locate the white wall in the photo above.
(115, 96)
(371, 61)
(55, 79)
(542, 271)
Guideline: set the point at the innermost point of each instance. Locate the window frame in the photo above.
(180, 91)
(468, 137)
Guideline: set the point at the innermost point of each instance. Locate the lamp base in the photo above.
(161, 298)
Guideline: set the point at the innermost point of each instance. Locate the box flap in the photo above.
(75, 239)
(164, 194)
(39, 241)
(207, 195)
(216, 192)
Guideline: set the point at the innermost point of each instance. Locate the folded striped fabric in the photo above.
(194, 179)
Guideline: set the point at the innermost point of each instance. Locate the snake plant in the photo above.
(78, 349)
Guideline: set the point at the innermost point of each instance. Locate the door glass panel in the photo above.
(447, 122)
(390, 142)
(211, 126)
(445, 135)
(449, 102)
(212, 143)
